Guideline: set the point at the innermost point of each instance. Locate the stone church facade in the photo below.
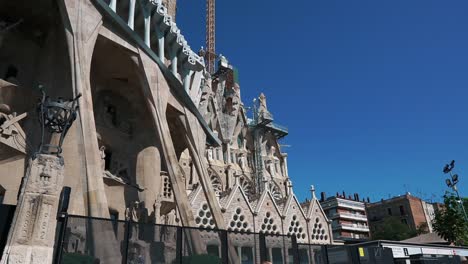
(157, 139)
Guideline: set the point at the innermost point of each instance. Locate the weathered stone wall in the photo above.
(171, 7)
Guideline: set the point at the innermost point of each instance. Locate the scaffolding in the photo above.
(262, 122)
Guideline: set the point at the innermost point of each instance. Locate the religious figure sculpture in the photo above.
(263, 103)
(11, 133)
(102, 151)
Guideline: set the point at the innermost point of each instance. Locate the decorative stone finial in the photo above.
(237, 179)
(265, 184)
(312, 191)
(263, 103)
(290, 186)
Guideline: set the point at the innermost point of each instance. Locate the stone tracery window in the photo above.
(204, 218)
(215, 182)
(275, 191)
(246, 185)
(239, 222)
(167, 188)
(268, 226)
(296, 229)
(319, 232)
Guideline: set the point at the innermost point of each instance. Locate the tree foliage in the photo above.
(423, 228)
(450, 223)
(392, 228)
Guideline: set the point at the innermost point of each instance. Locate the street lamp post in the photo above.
(452, 183)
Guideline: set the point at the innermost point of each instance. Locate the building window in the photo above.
(402, 210)
(389, 211)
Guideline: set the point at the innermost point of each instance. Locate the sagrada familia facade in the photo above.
(157, 139)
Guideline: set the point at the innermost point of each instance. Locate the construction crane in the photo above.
(210, 55)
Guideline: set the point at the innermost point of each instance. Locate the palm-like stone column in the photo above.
(31, 237)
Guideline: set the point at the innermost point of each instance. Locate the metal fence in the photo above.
(87, 240)
(96, 240)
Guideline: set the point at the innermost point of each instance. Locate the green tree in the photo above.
(391, 228)
(450, 223)
(423, 228)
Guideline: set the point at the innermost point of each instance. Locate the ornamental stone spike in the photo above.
(265, 184)
(312, 191)
(290, 186)
(237, 179)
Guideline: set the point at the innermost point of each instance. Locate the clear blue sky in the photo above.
(374, 92)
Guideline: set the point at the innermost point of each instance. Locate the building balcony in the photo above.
(351, 227)
(359, 206)
(351, 216)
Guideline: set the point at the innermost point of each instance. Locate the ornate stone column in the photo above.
(31, 238)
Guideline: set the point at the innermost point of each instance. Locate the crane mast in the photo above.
(210, 36)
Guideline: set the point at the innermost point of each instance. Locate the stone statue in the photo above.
(11, 133)
(241, 160)
(157, 210)
(135, 213)
(272, 151)
(170, 218)
(263, 103)
(102, 151)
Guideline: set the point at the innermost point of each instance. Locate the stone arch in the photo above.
(123, 125)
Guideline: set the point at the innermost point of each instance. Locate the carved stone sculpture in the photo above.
(31, 238)
(11, 133)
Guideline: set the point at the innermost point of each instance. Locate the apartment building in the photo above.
(348, 215)
(409, 209)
